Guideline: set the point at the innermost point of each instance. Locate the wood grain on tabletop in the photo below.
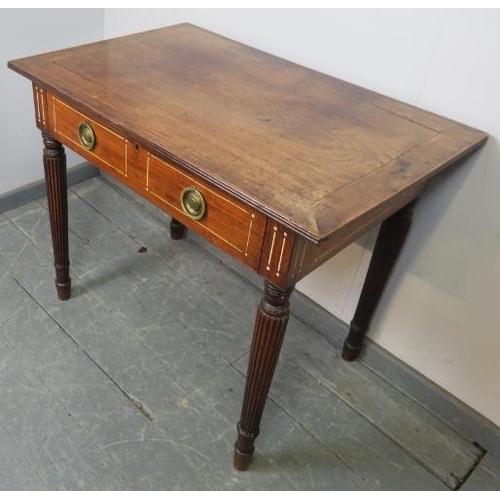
(315, 153)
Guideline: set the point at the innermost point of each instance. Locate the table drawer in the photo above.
(222, 219)
(92, 140)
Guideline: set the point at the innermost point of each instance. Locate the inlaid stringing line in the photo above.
(43, 106)
(249, 233)
(147, 173)
(54, 112)
(281, 254)
(268, 267)
(37, 105)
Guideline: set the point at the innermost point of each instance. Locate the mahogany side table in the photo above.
(278, 165)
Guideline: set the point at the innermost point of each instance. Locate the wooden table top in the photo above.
(311, 151)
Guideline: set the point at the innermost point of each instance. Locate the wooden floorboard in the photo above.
(485, 477)
(142, 371)
(35, 415)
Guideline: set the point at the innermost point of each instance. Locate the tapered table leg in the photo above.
(269, 330)
(54, 162)
(391, 237)
(177, 229)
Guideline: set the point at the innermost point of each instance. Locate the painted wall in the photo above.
(25, 32)
(441, 311)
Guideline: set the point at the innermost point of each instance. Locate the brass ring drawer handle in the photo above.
(192, 203)
(87, 136)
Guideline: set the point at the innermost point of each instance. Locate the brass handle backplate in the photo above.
(192, 203)
(87, 136)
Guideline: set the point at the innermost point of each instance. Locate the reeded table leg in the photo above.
(269, 330)
(391, 237)
(177, 229)
(54, 162)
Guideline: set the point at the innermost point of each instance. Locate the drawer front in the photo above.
(225, 221)
(95, 142)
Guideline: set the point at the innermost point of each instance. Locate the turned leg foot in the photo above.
(391, 237)
(177, 229)
(243, 450)
(353, 343)
(63, 282)
(54, 162)
(269, 331)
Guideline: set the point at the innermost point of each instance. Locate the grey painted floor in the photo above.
(136, 382)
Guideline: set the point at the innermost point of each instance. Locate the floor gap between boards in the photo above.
(134, 401)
